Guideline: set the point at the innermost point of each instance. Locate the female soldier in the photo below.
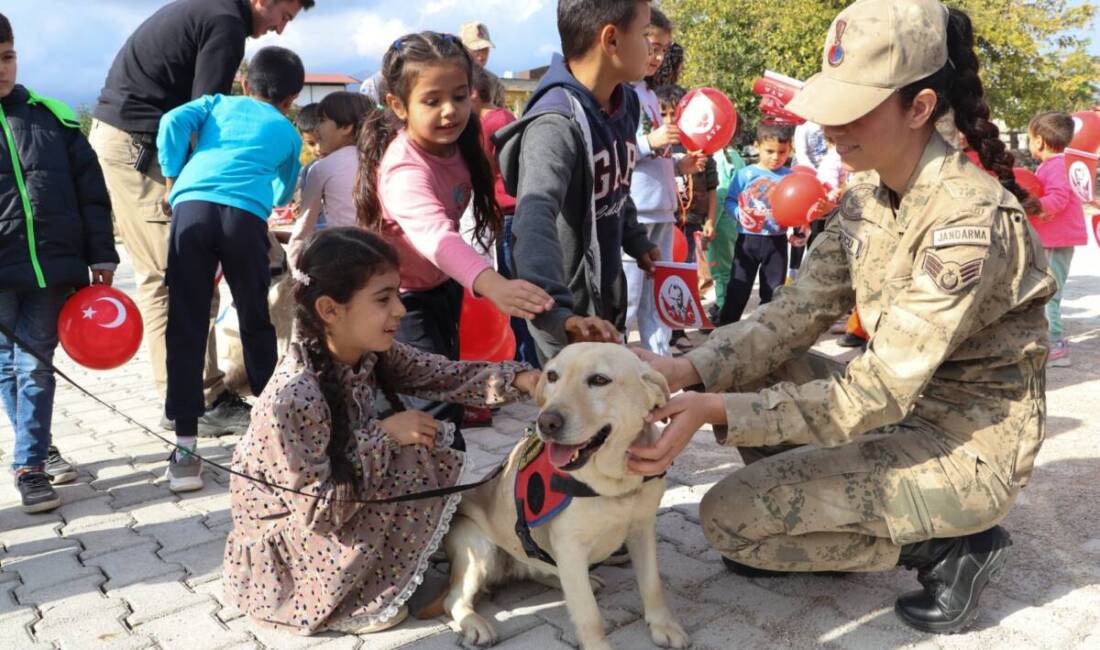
(914, 452)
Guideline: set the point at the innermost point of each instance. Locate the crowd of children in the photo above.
(581, 195)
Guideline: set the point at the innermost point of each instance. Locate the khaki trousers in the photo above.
(135, 201)
(852, 507)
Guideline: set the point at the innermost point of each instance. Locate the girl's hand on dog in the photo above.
(527, 380)
(687, 412)
(411, 428)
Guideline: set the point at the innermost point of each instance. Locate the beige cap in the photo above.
(873, 48)
(475, 36)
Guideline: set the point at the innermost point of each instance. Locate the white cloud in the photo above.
(515, 10)
(324, 41)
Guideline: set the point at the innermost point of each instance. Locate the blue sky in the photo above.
(66, 46)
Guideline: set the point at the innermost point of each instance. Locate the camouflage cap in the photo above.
(475, 36)
(873, 48)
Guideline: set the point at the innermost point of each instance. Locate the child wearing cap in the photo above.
(1061, 221)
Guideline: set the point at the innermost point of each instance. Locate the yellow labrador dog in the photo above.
(593, 399)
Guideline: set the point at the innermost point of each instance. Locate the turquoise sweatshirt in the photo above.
(245, 156)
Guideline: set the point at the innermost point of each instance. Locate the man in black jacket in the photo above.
(187, 49)
(55, 227)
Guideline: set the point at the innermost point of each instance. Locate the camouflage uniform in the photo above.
(930, 433)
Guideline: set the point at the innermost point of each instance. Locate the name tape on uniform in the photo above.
(962, 235)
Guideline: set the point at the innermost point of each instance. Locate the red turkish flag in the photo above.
(676, 292)
(1096, 227)
(1081, 170)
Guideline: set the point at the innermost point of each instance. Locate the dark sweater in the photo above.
(68, 228)
(185, 50)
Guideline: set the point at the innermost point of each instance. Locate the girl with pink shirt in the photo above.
(420, 164)
(1061, 221)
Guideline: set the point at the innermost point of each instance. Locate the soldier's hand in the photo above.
(688, 412)
(678, 372)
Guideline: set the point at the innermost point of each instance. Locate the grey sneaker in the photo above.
(58, 469)
(229, 414)
(1059, 355)
(184, 472)
(36, 492)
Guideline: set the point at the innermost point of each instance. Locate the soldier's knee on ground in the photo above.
(735, 517)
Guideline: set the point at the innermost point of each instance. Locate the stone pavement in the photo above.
(124, 563)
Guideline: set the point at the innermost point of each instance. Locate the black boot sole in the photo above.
(964, 620)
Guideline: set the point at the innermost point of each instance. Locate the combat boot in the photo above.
(954, 572)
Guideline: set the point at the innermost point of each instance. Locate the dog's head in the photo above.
(593, 399)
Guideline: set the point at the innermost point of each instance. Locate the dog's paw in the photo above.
(669, 634)
(596, 582)
(478, 631)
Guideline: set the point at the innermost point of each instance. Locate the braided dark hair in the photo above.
(400, 66)
(339, 262)
(958, 87)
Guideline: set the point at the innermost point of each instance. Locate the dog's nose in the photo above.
(550, 423)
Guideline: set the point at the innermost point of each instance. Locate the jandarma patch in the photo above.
(962, 235)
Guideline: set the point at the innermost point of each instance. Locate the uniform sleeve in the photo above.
(944, 303)
(176, 128)
(298, 458)
(746, 351)
(94, 203)
(411, 201)
(435, 377)
(218, 58)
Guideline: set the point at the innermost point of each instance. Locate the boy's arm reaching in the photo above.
(287, 178)
(176, 128)
(549, 157)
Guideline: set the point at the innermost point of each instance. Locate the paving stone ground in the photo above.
(124, 563)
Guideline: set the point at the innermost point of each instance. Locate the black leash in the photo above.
(411, 496)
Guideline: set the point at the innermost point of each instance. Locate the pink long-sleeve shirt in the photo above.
(1063, 220)
(423, 197)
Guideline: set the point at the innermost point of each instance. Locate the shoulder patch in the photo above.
(951, 276)
(855, 199)
(958, 235)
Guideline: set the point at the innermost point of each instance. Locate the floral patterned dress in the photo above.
(301, 563)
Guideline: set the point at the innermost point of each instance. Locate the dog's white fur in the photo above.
(483, 547)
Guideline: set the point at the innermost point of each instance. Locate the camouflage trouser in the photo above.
(851, 508)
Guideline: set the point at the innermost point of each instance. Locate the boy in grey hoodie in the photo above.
(569, 162)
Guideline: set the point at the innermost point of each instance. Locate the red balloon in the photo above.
(1086, 131)
(707, 120)
(795, 199)
(100, 327)
(483, 331)
(1027, 179)
(679, 245)
(804, 169)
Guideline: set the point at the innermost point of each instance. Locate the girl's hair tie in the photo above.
(300, 277)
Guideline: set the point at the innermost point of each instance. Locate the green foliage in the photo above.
(84, 114)
(1032, 58)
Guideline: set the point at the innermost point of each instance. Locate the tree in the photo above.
(1032, 60)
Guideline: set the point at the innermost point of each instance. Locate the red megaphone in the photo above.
(770, 106)
(774, 85)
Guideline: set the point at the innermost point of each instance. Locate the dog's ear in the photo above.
(540, 389)
(655, 385)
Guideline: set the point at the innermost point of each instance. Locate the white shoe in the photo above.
(356, 624)
(184, 472)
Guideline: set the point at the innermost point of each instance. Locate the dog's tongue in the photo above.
(560, 454)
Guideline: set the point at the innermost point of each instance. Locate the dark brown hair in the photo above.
(581, 21)
(346, 109)
(1056, 129)
(339, 262)
(6, 35)
(400, 68)
(958, 87)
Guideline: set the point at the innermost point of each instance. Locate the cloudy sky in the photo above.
(66, 46)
